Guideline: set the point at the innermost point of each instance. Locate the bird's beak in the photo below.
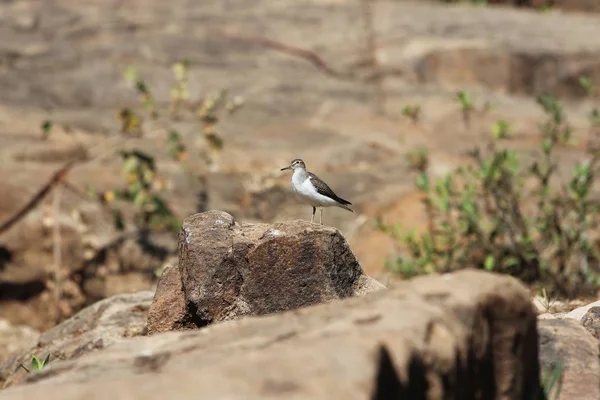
(288, 167)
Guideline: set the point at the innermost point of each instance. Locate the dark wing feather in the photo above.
(325, 190)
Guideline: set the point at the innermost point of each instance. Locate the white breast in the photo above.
(307, 192)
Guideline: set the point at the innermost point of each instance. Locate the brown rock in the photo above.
(229, 270)
(168, 310)
(96, 327)
(467, 335)
(567, 342)
(591, 321)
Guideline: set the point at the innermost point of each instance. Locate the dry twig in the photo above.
(306, 54)
(56, 249)
(54, 180)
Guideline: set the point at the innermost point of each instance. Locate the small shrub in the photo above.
(466, 105)
(586, 83)
(152, 211)
(412, 112)
(501, 130)
(500, 214)
(143, 190)
(46, 129)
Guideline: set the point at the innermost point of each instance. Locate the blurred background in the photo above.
(464, 134)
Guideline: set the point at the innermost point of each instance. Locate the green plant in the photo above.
(412, 111)
(146, 97)
(545, 300)
(180, 93)
(501, 130)
(466, 105)
(37, 364)
(586, 83)
(46, 129)
(500, 214)
(418, 159)
(142, 190)
(552, 381)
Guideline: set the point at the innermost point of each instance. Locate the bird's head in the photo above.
(296, 164)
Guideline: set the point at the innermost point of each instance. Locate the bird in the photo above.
(313, 190)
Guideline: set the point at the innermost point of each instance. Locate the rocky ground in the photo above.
(64, 62)
(337, 334)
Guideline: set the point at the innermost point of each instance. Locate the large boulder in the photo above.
(466, 335)
(228, 270)
(95, 327)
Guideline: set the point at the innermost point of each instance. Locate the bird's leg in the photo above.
(321, 219)
(312, 220)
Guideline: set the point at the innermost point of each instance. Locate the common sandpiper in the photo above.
(313, 191)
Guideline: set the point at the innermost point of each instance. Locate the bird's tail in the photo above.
(345, 204)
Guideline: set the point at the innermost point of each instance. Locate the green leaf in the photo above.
(465, 100)
(36, 364)
(46, 129)
(546, 146)
(586, 83)
(489, 263)
(500, 130)
(130, 73)
(422, 181)
(552, 382)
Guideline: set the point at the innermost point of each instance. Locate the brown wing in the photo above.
(325, 190)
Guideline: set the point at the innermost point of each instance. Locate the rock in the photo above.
(466, 335)
(591, 321)
(578, 313)
(96, 327)
(13, 338)
(566, 341)
(168, 310)
(230, 270)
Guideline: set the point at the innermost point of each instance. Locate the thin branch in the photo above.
(306, 54)
(56, 248)
(39, 196)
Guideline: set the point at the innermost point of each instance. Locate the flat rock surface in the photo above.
(466, 335)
